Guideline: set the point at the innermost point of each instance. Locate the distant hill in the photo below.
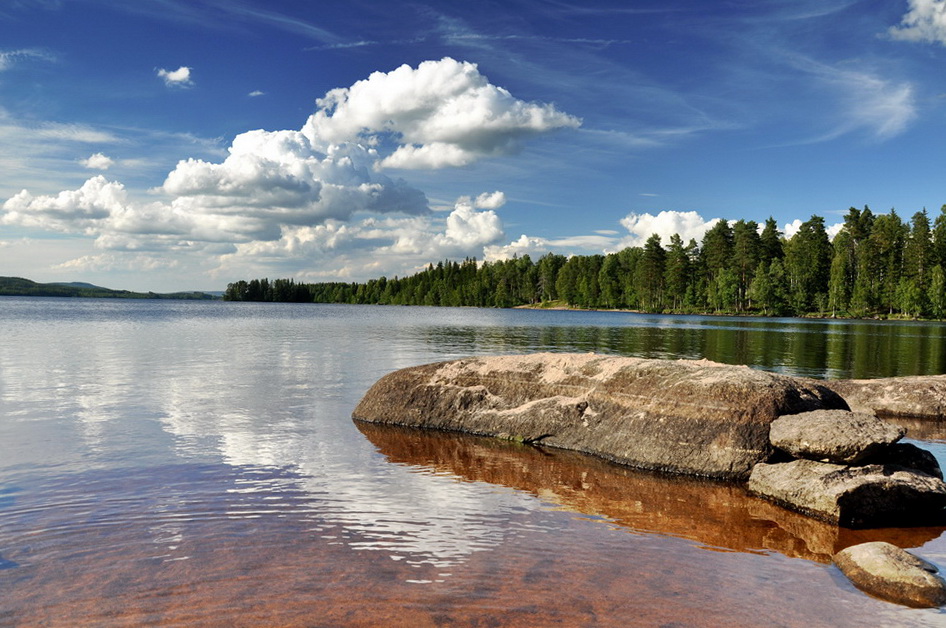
(77, 284)
(19, 287)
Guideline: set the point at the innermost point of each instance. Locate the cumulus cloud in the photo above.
(98, 161)
(665, 224)
(376, 245)
(470, 229)
(255, 93)
(525, 245)
(791, 228)
(275, 179)
(924, 22)
(316, 194)
(70, 210)
(442, 113)
(834, 230)
(180, 77)
(490, 200)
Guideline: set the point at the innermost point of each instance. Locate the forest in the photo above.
(878, 265)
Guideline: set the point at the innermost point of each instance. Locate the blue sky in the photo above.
(171, 144)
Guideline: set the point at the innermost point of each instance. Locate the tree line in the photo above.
(877, 265)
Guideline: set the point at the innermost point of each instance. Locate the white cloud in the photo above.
(865, 100)
(98, 161)
(442, 113)
(490, 200)
(275, 179)
(525, 245)
(470, 229)
(665, 224)
(110, 262)
(311, 197)
(791, 228)
(834, 230)
(884, 107)
(255, 93)
(374, 245)
(180, 77)
(10, 57)
(69, 211)
(924, 22)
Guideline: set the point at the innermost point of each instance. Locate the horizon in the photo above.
(165, 145)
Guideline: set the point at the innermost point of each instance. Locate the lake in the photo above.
(195, 463)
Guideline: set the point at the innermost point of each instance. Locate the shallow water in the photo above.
(182, 463)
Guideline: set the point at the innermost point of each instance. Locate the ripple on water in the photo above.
(481, 531)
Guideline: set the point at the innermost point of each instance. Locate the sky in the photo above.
(170, 145)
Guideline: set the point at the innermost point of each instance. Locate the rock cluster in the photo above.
(796, 441)
(849, 469)
(695, 418)
(892, 574)
(691, 417)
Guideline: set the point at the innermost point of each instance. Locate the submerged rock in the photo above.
(856, 497)
(922, 396)
(893, 574)
(692, 417)
(835, 436)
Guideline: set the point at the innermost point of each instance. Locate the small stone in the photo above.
(893, 574)
(835, 436)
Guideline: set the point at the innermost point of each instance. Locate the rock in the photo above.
(854, 497)
(909, 456)
(835, 436)
(922, 396)
(893, 574)
(692, 417)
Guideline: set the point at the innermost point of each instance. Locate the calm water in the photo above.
(181, 463)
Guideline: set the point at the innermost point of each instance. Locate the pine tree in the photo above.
(677, 273)
(650, 274)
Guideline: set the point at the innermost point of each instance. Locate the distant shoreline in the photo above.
(19, 287)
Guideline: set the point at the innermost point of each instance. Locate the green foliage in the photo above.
(875, 266)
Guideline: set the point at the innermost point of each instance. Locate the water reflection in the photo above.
(715, 515)
(811, 348)
(181, 463)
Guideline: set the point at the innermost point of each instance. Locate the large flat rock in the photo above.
(856, 497)
(922, 396)
(692, 417)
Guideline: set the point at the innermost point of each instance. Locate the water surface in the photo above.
(189, 463)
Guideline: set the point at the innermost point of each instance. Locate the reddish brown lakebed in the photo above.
(195, 464)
